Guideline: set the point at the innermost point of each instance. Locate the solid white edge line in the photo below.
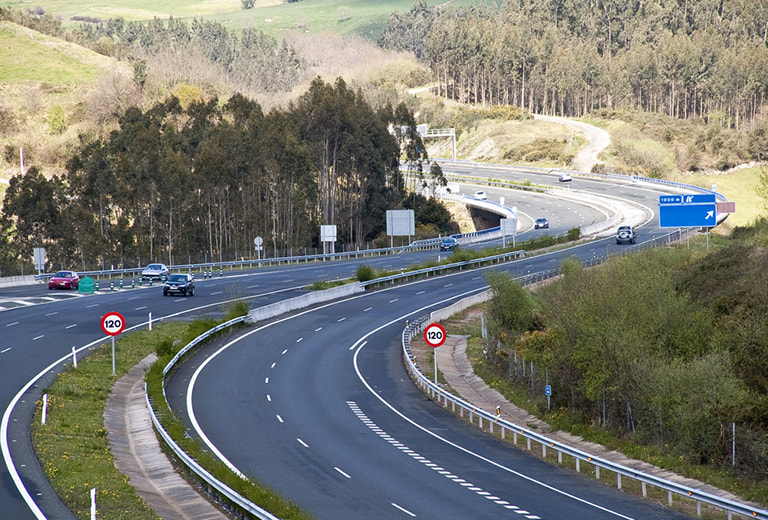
(461, 448)
(13, 472)
(7, 458)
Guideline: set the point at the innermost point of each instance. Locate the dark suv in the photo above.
(183, 284)
(448, 244)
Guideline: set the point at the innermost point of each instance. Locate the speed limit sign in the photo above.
(112, 323)
(434, 335)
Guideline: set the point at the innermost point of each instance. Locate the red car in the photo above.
(64, 280)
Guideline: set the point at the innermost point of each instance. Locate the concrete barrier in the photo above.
(305, 300)
(13, 281)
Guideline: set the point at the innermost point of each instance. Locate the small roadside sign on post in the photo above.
(435, 336)
(113, 323)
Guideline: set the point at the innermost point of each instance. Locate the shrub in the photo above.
(365, 273)
(236, 309)
(57, 121)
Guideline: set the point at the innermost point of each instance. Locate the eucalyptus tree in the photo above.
(30, 213)
(354, 155)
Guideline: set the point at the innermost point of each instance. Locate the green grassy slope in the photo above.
(367, 17)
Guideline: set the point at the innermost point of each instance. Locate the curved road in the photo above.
(319, 406)
(38, 338)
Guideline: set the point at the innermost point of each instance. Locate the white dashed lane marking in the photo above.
(436, 467)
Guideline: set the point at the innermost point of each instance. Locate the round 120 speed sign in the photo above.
(112, 323)
(434, 335)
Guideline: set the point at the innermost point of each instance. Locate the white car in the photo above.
(155, 272)
(625, 235)
(481, 195)
(565, 177)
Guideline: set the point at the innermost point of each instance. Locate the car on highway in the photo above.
(625, 235)
(183, 284)
(565, 177)
(64, 280)
(155, 272)
(541, 223)
(481, 195)
(448, 244)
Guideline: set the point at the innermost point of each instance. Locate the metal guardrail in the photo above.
(204, 475)
(448, 399)
(558, 171)
(421, 379)
(578, 455)
(250, 263)
(504, 257)
(415, 246)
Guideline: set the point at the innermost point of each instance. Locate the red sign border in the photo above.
(104, 318)
(445, 335)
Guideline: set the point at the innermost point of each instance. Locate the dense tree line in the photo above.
(200, 183)
(685, 59)
(665, 348)
(250, 60)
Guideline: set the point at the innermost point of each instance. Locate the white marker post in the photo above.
(74, 357)
(45, 407)
(93, 503)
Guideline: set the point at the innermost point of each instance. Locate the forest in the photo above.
(705, 58)
(665, 349)
(197, 184)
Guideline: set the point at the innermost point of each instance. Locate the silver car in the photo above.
(155, 272)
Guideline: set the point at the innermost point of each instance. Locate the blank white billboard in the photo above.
(401, 223)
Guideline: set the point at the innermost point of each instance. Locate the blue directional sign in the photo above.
(687, 210)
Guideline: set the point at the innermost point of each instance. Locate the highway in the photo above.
(319, 406)
(327, 381)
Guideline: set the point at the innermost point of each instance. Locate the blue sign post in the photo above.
(687, 210)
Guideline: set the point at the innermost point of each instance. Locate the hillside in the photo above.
(273, 17)
(45, 108)
(92, 88)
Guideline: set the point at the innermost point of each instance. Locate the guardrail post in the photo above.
(543, 451)
(597, 473)
(669, 501)
(618, 480)
(645, 493)
(528, 444)
(577, 465)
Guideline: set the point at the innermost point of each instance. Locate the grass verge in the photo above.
(72, 446)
